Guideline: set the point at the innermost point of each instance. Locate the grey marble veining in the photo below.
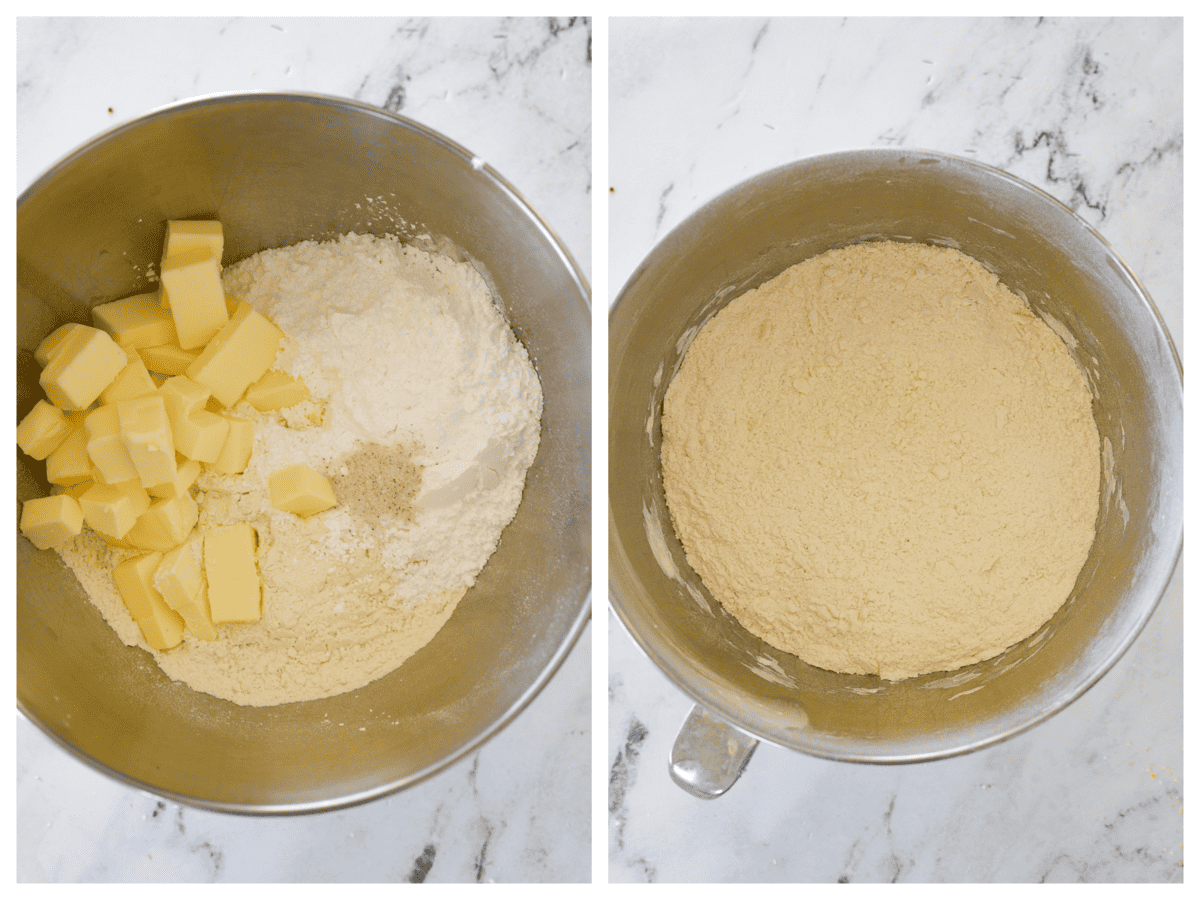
(1088, 110)
(516, 92)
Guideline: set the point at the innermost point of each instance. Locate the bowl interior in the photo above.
(1041, 251)
(277, 169)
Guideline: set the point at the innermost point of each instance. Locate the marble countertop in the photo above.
(516, 92)
(1091, 112)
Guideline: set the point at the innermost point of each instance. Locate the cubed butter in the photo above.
(51, 521)
(186, 473)
(73, 490)
(43, 430)
(161, 626)
(131, 382)
(136, 322)
(81, 368)
(70, 464)
(105, 447)
(239, 355)
(180, 581)
(300, 490)
(234, 590)
(167, 359)
(202, 436)
(235, 453)
(54, 341)
(184, 235)
(276, 390)
(191, 286)
(146, 433)
(165, 524)
(135, 583)
(112, 509)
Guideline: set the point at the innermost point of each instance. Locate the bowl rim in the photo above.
(672, 666)
(583, 295)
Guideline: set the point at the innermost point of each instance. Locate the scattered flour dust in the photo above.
(883, 462)
(426, 416)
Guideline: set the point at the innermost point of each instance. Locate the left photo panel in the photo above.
(303, 425)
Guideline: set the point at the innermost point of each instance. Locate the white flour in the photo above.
(426, 416)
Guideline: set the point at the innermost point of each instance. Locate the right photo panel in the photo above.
(895, 449)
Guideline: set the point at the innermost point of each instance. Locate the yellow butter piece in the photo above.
(235, 453)
(136, 322)
(85, 364)
(131, 382)
(191, 286)
(54, 341)
(163, 629)
(146, 433)
(300, 490)
(51, 521)
(161, 626)
(234, 589)
(186, 473)
(184, 235)
(202, 436)
(238, 355)
(180, 581)
(199, 434)
(112, 509)
(165, 524)
(135, 583)
(167, 359)
(70, 464)
(102, 427)
(276, 390)
(43, 430)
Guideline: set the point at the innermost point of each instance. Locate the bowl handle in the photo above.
(709, 755)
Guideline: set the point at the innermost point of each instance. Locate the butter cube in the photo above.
(161, 626)
(199, 434)
(51, 521)
(131, 382)
(146, 433)
(202, 436)
(235, 453)
(81, 368)
(234, 590)
(239, 355)
(136, 322)
(180, 581)
(276, 390)
(186, 473)
(70, 464)
(191, 286)
(42, 430)
(54, 341)
(105, 447)
(163, 629)
(300, 490)
(167, 359)
(112, 509)
(165, 524)
(184, 235)
(135, 583)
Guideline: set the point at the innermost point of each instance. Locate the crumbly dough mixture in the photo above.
(426, 417)
(883, 462)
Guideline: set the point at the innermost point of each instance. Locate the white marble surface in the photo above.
(516, 92)
(1090, 111)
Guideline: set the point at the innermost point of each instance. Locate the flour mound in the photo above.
(883, 462)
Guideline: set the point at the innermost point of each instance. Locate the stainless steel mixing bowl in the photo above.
(1066, 271)
(277, 169)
